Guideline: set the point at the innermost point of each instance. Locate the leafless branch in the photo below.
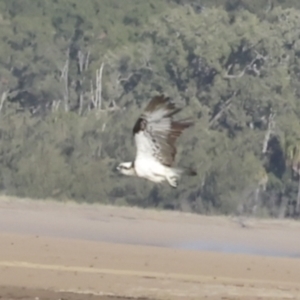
(128, 77)
(251, 66)
(228, 76)
(269, 7)
(146, 63)
(224, 107)
(255, 70)
(260, 56)
(3, 99)
(113, 106)
(247, 47)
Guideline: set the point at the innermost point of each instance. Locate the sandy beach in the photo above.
(51, 250)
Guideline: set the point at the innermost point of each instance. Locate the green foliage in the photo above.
(235, 64)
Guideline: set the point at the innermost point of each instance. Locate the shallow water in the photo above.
(138, 230)
(236, 248)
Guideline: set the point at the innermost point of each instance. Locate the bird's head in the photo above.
(126, 168)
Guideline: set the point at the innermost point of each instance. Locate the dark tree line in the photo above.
(75, 75)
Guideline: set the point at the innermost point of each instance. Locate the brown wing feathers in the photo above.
(167, 143)
(157, 103)
(177, 127)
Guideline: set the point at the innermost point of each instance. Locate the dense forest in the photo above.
(76, 74)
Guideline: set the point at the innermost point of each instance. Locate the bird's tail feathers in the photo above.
(184, 171)
(190, 172)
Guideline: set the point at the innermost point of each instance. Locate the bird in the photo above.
(155, 134)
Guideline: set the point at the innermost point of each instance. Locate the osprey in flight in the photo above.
(155, 134)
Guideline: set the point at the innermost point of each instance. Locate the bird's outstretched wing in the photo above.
(155, 132)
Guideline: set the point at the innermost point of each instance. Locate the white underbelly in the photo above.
(151, 170)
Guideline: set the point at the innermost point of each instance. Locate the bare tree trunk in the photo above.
(96, 94)
(55, 105)
(297, 209)
(80, 104)
(83, 65)
(271, 126)
(269, 7)
(87, 60)
(80, 57)
(92, 95)
(256, 200)
(96, 91)
(65, 78)
(3, 98)
(99, 87)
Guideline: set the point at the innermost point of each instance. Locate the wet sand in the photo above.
(68, 251)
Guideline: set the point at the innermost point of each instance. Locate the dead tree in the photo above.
(3, 99)
(269, 132)
(82, 64)
(99, 87)
(96, 94)
(80, 61)
(65, 77)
